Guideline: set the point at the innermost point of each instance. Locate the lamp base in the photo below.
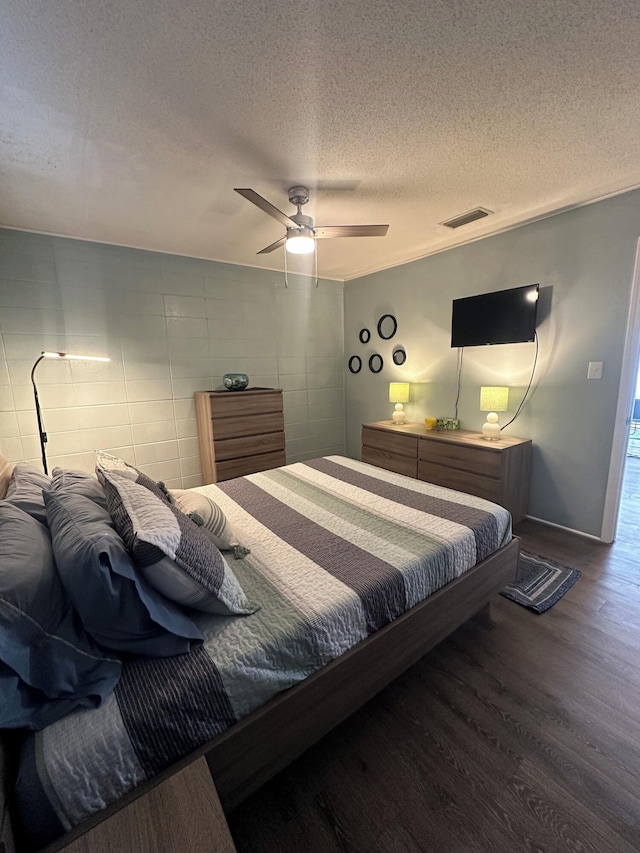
(491, 429)
(399, 417)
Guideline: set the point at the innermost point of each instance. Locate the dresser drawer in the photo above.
(476, 460)
(230, 403)
(399, 444)
(390, 461)
(249, 465)
(238, 426)
(250, 445)
(461, 481)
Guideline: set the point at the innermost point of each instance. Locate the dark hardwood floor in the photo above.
(521, 732)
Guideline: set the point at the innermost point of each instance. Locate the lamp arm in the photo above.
(41, 430)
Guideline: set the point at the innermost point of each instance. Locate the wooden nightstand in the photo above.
(181, 815)
(499, 471)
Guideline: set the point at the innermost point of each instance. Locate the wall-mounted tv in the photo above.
(502, 317)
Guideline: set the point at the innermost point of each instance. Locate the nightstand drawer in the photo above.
(461, 481)
(485, 462)
(400, 444)
(390, 461)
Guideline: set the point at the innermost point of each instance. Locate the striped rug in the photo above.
(540, 582)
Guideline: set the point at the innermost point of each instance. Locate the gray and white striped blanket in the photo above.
(338, 549)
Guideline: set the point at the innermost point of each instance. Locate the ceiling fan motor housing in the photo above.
(298, 195)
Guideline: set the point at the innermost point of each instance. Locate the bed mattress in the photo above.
(339, 548)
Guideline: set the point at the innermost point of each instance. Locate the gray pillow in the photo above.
(78, 483)
(25, 491)
(117, 607)
(175, 556)
(41, 640)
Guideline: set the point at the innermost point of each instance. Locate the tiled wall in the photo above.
(171, 326)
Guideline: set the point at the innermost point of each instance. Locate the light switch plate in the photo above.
(595, 370)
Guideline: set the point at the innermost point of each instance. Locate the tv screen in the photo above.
(503, 317)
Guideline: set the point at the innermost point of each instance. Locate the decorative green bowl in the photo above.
(235, 381)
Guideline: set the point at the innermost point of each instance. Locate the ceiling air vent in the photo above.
(466, 218)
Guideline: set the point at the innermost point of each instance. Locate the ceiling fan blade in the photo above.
(266, 206)
(325, 231)
(272, 247)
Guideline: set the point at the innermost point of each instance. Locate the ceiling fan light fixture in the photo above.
(300, 242)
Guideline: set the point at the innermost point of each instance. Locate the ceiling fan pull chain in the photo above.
(315, 252)
(286, 280)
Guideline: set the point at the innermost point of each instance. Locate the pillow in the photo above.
(25, 491)
(24, 707)
(206, 513)
(116, 605)
(107, 462)
(40, 638)
(195, 573)
(78, 483)
(6, 472)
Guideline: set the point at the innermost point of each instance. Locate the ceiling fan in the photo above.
(301, 232)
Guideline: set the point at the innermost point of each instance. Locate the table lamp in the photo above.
(493, 400)
(54, 355)
(399, 394)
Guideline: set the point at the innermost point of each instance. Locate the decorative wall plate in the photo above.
(387, 326)
(399, 355)
(376, 363)
(365, 336)
(355, 364)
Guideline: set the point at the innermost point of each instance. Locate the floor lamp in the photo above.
(53, 355)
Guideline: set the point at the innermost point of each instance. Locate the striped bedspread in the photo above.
(338, 549)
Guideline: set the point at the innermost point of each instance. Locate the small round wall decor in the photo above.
(355, 364)
(399, 355)
(387, 326)
(365, 336)
(375, 363)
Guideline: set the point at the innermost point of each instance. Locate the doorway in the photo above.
(624, 471)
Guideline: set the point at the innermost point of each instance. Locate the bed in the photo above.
(357, 570)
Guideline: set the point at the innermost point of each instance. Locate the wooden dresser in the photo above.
(240, 432)
(499, 471)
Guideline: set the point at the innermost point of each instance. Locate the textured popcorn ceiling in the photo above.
(130, 121)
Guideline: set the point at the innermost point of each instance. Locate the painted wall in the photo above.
(171, 326)
(583, 261)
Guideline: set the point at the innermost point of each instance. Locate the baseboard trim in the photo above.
(566, 529)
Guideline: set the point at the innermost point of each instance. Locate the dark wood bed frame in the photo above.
(251, 752)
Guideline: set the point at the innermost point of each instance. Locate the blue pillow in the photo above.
(24, 707)
(80, 483)
(117, 607)
(25, 491)
(41, 640)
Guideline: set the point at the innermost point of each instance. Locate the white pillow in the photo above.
(209, 516)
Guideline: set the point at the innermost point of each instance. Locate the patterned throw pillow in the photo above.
(174, 555)
(209, 516)
(107, 462)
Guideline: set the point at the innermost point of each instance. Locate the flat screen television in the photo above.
(502, 317)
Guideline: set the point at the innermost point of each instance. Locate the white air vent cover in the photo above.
(466, 218)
